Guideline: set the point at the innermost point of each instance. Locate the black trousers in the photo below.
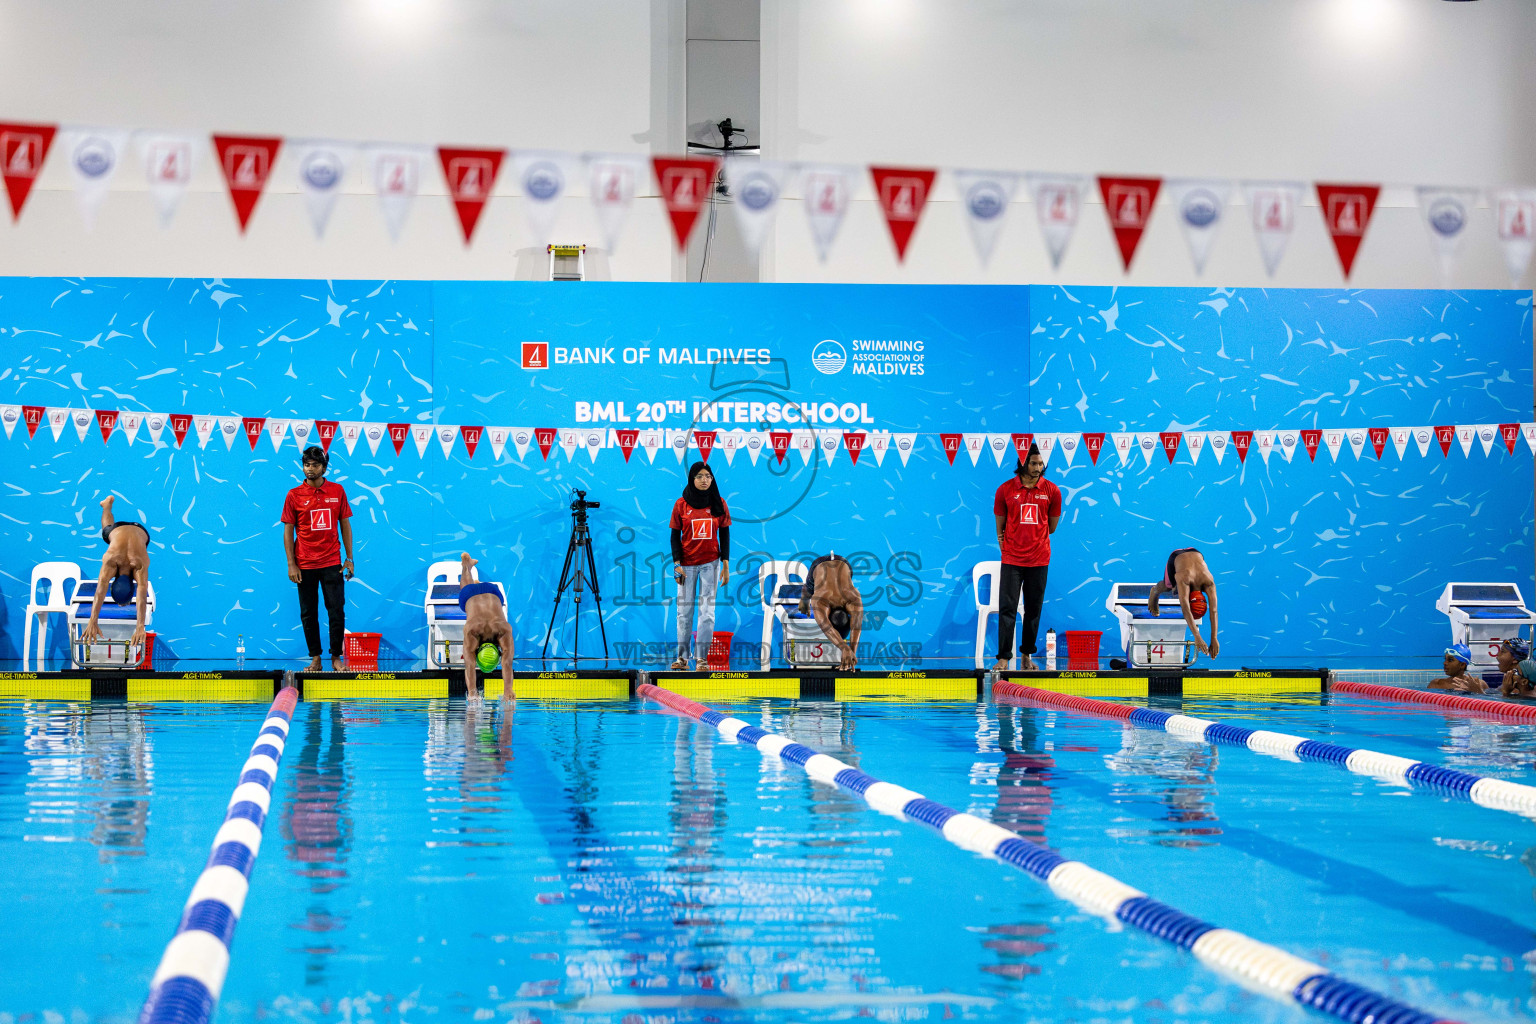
(1030, 581)
(313, 582)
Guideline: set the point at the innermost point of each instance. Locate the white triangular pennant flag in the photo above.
(447, 434)
(974, 444)
(1194, 443)
(1045, 442)
(570, 440)
(1357, 442)
(827, 190)
(521, 437)
(498, 437)
(1287, 441)
(1068, 445)
(155, 423)
(651, 441)
(829, 441)
(878, 444)
(1272, 208)
(730, 443)
(754, 442)
(984, 199)
(1058, 200)
(169, 161)
(677, 443)
(612, 180)
(1446, 213)
(904, 443)
(10, 415)
(1264, 441)
(1487, 433)
(1218, 441)
(58, 419)
(277, 431)
(1201, 204)
(94, 157)
(804, 442)
(373, 433)
(756, 187)
(1124, 445)
(1466, 435)
(1400, 438)
(1001, 445)
(301, 431)
(1334, 440)
(205, 426)
(1423, 436)
(229, 429)
(1528, 431)
(129, 423)
(1514, 214)
(1148, 443)
(421, 433)
(396, 173)
(544, 178)
(321, 165)
(594, 438)
(82, 419)
(350, 431)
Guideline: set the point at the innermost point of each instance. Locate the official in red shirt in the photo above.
(312, 514)
(701, 559)
(1027, 509)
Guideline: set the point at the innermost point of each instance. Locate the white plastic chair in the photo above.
(779, 571)
(56, 574)
(992, 573)
(437, 572)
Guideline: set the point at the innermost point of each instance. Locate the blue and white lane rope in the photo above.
(1498, 794)
(186, 986)
(1255, 965)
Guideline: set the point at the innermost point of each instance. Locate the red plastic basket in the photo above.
(1082, 648)
(147, 660)
(719, 658)
(362, 651)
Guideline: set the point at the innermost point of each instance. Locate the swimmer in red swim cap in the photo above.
(1187, 575)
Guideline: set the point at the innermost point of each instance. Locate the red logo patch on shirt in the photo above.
(320, 519)
(703, 529)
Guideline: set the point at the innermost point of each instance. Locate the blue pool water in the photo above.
(617, 863)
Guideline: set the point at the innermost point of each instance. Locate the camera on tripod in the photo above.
(578, 575)
(581, 504)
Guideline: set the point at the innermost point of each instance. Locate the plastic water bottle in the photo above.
(1050, 649)
(240, 652)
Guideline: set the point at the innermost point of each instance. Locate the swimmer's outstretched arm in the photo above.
(141, 579)
(1211, 600)
(92, 631)
(821, 607)
(471, 666)
(1189, 617)
(856, 617)
(507, 692)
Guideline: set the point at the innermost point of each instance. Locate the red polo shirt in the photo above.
(1026, 524)
(316, 514)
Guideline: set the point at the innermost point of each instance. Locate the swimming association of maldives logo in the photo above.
(829, 356)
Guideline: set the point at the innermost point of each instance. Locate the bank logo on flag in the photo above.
(246, 163)
(471, 174)
(1129, 203)
(1347, 213)
(1514, 213)
(685, 188)
(827, 191)
(903, 193)
(23, 148)
(1272, 205)
(1058, 200)
(611, 183)
(535, 355)
(167, 163)
(396, 180)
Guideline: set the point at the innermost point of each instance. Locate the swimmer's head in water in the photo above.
(1458, 652)
(841, 621)
(121, 588)
(1197, 604)
(488, 656)
(1518, 646)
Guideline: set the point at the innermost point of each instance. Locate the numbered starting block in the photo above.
(1482, 615)
(1150, 641)
(445, 625)
(805, 643)
(116, 623)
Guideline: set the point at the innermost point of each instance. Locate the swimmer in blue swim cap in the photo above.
(124, 571)
(487, 633)
(1457, 658)
(1518, 668)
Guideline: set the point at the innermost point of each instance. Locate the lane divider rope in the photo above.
(1256, 965)
(186, 985)
(1497, 794)
(1460, 702)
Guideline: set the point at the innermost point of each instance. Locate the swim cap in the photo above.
(314, 453)
(1519, 647)
(121, 589)
(1461, 652)
(488, 656)
(841, 621)
(1197, 604)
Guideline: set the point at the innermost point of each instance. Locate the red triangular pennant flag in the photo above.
(1445, 435)
(779, 439)
(1347, 211)
(23, 148)
(1171, 440)
(33, 415)
(246, 163)
(1310, 439)
(1095, 444)
(471, 174)
(1379, 437)
(1129, 202)
(951, 444)
(1510, 432)
(903, 192)
(254, 425)
(180, 424)
(627, 438)
(326, 429)
(1021, 443)
(546, 438)
(106, 419)
(398, 434)
(685, 188)
(471, 436)
(1241, 439)
(705, 439)
(854, 442)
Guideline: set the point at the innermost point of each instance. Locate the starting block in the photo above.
(1482, 615)
(116, 623)
(445, 625)
(1149, 640)
(805, 643)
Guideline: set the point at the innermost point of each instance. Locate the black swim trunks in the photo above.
(106, 531)
(810, 574)
(1168, 569)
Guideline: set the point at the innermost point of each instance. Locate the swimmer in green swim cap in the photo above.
(486, 630)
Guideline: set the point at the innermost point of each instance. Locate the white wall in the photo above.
(1403, 92)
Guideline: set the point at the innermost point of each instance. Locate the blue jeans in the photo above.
(706, 579)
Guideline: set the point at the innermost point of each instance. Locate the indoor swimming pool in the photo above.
(618, 862)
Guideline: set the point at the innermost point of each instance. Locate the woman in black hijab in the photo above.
(701, 554)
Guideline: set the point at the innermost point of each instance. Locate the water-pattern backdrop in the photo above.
(1315, 559)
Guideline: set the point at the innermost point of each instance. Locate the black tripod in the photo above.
(581, 538)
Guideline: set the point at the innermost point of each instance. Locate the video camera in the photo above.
(581, 503)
